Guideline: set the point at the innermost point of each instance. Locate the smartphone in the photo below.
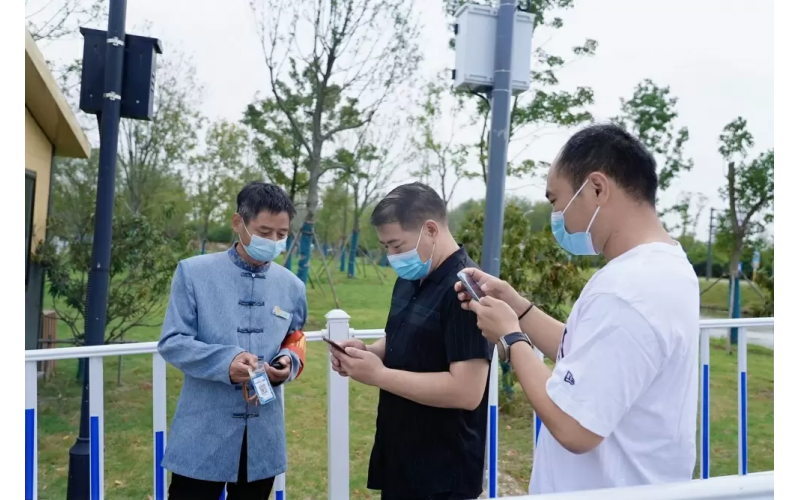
(277, 364)
(470, 286)
(335, 345)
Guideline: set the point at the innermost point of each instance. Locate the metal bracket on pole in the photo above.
(116, 42)
(114, 97)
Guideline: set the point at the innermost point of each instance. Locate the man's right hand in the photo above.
(335, 364)
(240, 367)
(493, 287)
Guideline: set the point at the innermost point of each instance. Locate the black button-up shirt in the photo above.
(422, 450)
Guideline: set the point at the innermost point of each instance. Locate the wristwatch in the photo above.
(504, 346)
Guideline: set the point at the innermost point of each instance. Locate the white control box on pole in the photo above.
(476, 30)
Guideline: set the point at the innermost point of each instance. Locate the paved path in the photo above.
(760, 335)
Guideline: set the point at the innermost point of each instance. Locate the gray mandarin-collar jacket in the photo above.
(220, 306)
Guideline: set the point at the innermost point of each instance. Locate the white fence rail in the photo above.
(338, 417)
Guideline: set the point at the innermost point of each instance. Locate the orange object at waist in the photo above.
(296, 342)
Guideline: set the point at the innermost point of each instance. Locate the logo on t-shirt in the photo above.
(560, 353)
(568, 378)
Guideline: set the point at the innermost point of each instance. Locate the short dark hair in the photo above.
(410, 205)
(257, 197)
(609, 149)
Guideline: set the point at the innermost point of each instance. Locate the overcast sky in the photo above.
(716, 55)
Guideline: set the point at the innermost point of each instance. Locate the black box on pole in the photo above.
(139, 74)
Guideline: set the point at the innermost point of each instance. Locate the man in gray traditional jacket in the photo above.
(228, 312)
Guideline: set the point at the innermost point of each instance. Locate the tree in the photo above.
(540, 108)
(331, 65)
(689, 208)
(278, 149)
(332, 216)
(143, 258)
(533, 263)
(749, 190)
(49, 20)
(53, 21)
(368, 167)
(210, 171)
(650, 115)
(537, 213)
(443, 159)
(143, 255)
(150, 153)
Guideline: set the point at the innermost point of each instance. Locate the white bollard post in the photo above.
(742, 352)
(159, 426)
(31, 441)
(96, 462)
(705, 394)
(494, 387)
(280, 481)
(338, 329)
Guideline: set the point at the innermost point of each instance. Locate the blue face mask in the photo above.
(409, 265)
(263, 249)
(574, 243)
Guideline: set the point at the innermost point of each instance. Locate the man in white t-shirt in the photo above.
(620, 407)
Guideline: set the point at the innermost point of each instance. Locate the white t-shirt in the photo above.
(627, 370)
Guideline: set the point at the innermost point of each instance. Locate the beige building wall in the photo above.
(38, 159)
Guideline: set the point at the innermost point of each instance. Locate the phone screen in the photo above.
(471, 286)
(335, 345)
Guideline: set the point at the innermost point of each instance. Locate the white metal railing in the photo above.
(338, 329)
(758, 486)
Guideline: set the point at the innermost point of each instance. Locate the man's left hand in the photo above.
(496, 319)
(362, 366)
(279, 375)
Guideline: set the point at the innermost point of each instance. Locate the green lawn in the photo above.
(715, 297)
(128, 415)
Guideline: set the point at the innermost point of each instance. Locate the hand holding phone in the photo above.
(335, 346)
(470, 286)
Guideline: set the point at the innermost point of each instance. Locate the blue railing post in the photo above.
(742, 355)
(159, 426)
(705, 425)
(96, 426)
(31, 441)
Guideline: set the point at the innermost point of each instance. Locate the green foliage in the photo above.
(538, 213)
(210, 172)
(766, 283)
(333, 215)
(650, 115)
(143, 258)
(533, 263)
(278, 149)
(221, 232)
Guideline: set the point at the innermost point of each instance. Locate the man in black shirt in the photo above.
(432, 367)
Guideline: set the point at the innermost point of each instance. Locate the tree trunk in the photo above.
(733, 273)
(307, 234)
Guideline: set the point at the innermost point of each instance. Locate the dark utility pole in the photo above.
(496, 182)
(498, 138)
(97, 290)
(710, 241)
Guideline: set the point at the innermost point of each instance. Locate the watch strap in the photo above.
(512, 338)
